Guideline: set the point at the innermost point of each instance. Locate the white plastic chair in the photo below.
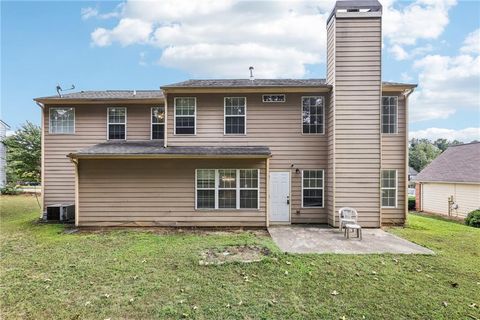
(347, 215)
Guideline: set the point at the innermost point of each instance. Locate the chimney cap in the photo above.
(356, 6)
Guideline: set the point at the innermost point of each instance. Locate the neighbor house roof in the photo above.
(106, 95)
(458, 163)
(152, 149)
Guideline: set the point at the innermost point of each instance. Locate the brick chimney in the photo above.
(354, 44)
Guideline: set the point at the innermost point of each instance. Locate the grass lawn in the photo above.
(47, 274)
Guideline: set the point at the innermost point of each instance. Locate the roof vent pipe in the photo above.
(251, 73)
(134, 92)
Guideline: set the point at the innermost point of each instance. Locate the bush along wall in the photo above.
(473, 219)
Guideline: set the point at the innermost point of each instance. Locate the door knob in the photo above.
(288, 199)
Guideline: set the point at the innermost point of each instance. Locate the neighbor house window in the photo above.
(117, 123)
(389, 188)
(158, 122)
(185, 115)
(313, 115)
(273, 98)
(235, 111)
(227, 188)
(389, 114)
(312, 188)
(62, 120)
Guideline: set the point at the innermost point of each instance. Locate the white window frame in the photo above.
(50, 120)
(238, 188)
(396, 116)
(175, 117)
(274, 94)
(323, 115)
(157, 124)
(389, 188)
(322, 188)
(225, 118)
(108, 123)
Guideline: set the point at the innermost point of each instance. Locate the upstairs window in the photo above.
(273, 98)
(313, 115)
(117, 123)
(62, 120)
(389, 188)
(158, 123)
(389, 115)
(312, 188)
(235, 111)
(185, 115)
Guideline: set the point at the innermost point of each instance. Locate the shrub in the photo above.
(10, 189)
(473, 219)
(411, 203)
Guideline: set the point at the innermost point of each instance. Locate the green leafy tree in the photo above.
(24, 153)
(443, 144)
(421, 153)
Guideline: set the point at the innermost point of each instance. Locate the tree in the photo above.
(421, 153)
(24, 153)
(443, 144)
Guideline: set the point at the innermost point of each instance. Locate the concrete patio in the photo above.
(315, 239)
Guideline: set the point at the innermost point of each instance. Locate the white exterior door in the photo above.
(280, 197)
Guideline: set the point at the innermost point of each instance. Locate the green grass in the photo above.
(47, 274)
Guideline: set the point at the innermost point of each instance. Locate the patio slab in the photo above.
(313, 239)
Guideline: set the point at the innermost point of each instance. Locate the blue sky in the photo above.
(143, 45)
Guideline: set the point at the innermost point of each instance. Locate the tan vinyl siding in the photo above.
(90, 129)
(356, 149)
(157, 193)
(276, 125)
(394, 157)
(435, 198)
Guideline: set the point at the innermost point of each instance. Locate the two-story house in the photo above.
(239, 152)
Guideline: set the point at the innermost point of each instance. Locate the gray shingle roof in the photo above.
(459, 163)
(150, 148)
(247, 83)
(109, 94)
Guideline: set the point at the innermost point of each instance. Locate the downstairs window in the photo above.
(227, 189)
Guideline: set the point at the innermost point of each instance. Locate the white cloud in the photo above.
(90, 12)
(472, 43)
(223, 38)
(464, 135)
(421, 20)
(127, 32)
(447, 84)
(142, 59)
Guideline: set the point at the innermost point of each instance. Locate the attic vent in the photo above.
(273, 98)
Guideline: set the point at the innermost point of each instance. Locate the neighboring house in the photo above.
(412, 173)
(239, 152)
(450, 184)
(3, 153)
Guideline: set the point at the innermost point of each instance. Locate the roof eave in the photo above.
(246, 89)
(59, 101)
(398, 87)
(167, 156)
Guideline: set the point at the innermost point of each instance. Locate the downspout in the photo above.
(77, 198)
(42, 161)
(406, 94)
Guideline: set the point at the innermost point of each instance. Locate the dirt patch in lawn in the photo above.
(245, 254)
(220, 231)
